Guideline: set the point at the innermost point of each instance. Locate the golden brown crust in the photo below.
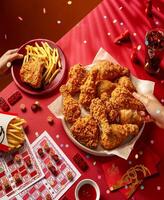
(127, 83)
(31, 73)
(86, 131)
(71, 108)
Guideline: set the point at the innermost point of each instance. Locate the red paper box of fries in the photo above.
(11, 132)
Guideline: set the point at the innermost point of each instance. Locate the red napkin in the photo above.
(142, 163)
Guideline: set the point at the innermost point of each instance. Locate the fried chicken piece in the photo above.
(104, 89)
(86, 131)
(76, 77)
(32, 73)
(71, 108)
(88, 89)
(111, 135)
(109, 71)
(127, 116)
(115, 134)
(127, 83)
(121, 98)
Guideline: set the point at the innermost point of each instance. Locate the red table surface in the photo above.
(80, 45)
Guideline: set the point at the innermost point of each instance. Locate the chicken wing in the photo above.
(109, 71)
(127, 83)
(86, 131)
(71, 108)
(115, 134)
(121, 98)
(104, 89)
(111, 135)
(76, 78)
(88, 89)
(127, 116)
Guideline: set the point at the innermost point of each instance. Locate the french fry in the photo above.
(50, 56)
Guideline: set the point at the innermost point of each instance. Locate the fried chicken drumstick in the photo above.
(71, 108)
(111, 135)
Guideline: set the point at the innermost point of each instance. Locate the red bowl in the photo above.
(15, 69)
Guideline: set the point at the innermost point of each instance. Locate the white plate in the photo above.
(99, 151)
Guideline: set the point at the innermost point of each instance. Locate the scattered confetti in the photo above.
(142, 187)
(61, 145)
(158, 9)
(94, 163)
(99, 177)
(85, 42)
(69, 2)
(141, 152)
(136, 156)
(121, 23)
(158, 111)
(162, 82)
(107, 191)
(139, 47)
(58, 21)
(67, 145)
(158, 187)
(5, 36)
(57, 136)
(156, 22)
(20, 18)
(151, 141)
(36, 134)
(134, 34)
(44, 11)
(126, 187)
(105, 17)
(120, 7)
(108, 34)
(130, 162)
(114, 21)
(162, 100)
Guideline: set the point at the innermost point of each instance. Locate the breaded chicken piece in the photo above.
(104, 89)
(121, 98)
(76, 77)
(86, 131)
(127, 116)
(127, 83)
(109, 71)
(32, 73)
(115, 134)
(111, 135)
(88, 89)
(71, 108)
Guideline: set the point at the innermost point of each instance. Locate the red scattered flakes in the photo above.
(123, 38)
(148, 10)
(134, 57)
(80, 162)
(3, 105)
(14, 98)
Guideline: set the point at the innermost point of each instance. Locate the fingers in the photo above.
(141, 98)
(11, 51)
(14, 56)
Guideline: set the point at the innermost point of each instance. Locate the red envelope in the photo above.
(114, 170)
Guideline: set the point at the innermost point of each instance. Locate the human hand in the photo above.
(7, 58)
(153, 107)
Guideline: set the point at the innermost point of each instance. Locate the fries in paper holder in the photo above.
(11, 132)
